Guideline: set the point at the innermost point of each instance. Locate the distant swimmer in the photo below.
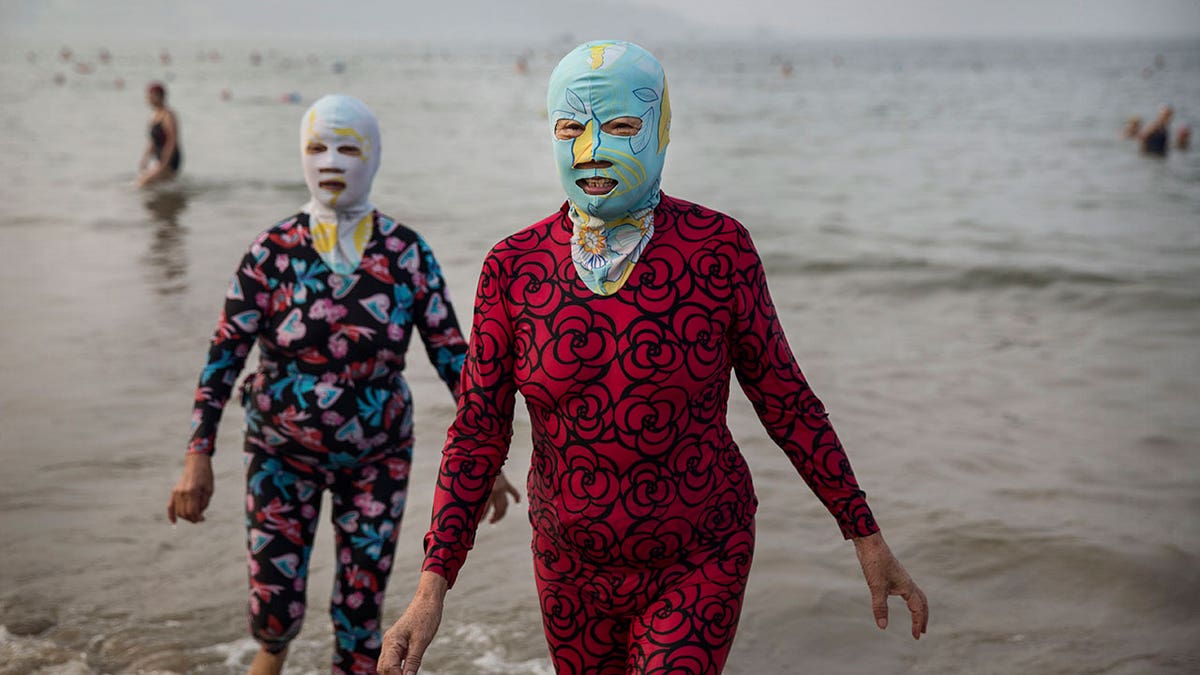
(1155, 137)
(1133, 127)
(163, 147)
(1183, 138)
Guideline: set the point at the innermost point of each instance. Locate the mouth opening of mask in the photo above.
(597, 185)
(332, 184)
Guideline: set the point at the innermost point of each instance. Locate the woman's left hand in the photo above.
(886, 576)
(497, 502)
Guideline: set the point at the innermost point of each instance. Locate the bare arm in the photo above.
(170, 139)
(145, 159)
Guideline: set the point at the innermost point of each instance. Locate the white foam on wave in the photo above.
(484, 642)
(24, 655)
(493, 660)
(239, 653)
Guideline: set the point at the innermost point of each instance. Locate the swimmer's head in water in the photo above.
(339, 149)
(611, 119)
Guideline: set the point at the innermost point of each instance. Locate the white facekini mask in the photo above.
(339, 149)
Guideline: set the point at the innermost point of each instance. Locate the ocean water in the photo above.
(997, 298)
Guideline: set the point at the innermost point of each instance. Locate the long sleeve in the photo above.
(437, 322)
(478, 440)
(792, 414)
(238, 326)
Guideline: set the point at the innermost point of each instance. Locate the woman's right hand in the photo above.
(193, 491)
(405, 642)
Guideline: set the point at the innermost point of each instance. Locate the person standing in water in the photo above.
(620, 319)
(1156, 136)
(163, 147)
(332, 296)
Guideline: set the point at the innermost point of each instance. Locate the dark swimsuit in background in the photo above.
(1155, 143)
(159, 138)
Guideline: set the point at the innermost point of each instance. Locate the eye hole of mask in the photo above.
(622, 126)
(350, 150)
(565, 129)
(315, 148)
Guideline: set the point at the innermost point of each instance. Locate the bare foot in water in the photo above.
(266, 663)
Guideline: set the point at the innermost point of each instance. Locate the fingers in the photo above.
(203, 500)
(498, 501)
(499, 507)
(187, 505)
(195, 512)
(879, 607)
(413, 655)
(918, 605)
(412, 663)
(391, 656)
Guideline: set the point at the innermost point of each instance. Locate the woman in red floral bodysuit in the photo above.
(619, 319)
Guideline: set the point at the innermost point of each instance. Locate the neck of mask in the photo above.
(604, 252)
(339, 141)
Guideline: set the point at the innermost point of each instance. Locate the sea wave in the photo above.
(915, 276)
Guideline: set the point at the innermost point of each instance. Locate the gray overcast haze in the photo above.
(542, 20)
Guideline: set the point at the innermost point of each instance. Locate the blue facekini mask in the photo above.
(598, 82)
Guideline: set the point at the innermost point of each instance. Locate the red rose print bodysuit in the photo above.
(641, 503)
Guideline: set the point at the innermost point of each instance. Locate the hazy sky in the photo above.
(545, 19)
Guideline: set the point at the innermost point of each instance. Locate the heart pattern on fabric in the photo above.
(288, 564)
(377, 306)
(410, 259)
(305, 491)
(387, 225)
(292, 328)
(248, 320)
(327, 394)
(436, 311)
(342, 284)
(348, 521)
(351, 432)
(259, 540)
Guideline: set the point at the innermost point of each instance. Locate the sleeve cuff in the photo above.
(201, 446)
